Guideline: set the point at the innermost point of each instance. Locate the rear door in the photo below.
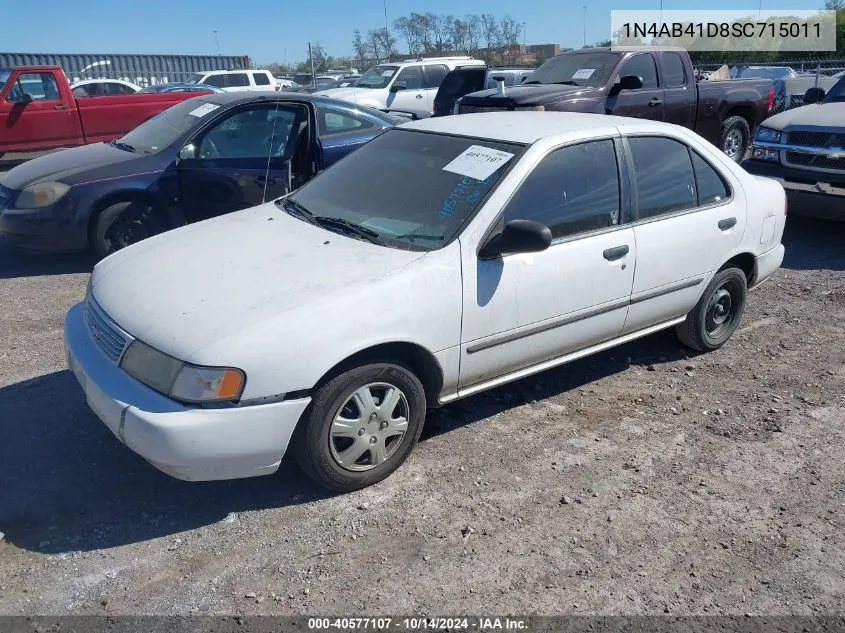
(689, 218)
(33, 113)
(433, 76)
(646, 102)
(678, 90)
(242, 159)
(456, 84)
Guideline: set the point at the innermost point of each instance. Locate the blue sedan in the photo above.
(201, 158)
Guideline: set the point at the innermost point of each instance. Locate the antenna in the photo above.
(270, 152)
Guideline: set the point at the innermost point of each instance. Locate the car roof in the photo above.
(270, 96)
(527, 127)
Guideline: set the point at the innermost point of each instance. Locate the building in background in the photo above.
(143, 70)
(531, 55)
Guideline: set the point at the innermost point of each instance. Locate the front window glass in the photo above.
(4, 77)
(167, 127)
(377, 77)
(251, 133)
(397, 186)
(39, 86)
(641, 66)
(837, 93)
(576, 69)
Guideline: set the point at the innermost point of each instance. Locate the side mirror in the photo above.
(189, 151)
(630, 82)
(814, 95)
(399, 85)
(25, 98)
(518, 236)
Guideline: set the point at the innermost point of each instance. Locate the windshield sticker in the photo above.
(387, 73)
(478, 162)
(583, 73)
(203, 109)
(468, 190)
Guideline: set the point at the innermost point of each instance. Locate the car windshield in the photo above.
(377, 77)
(165, 128)
(4, 76)
(194, 78)
(765, 73)
(837, 93)
(577, 69)
(415, 190)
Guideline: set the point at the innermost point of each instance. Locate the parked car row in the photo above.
(424, 268)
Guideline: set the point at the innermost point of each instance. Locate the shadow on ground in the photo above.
(69, 485)
(813, 244)
(14, 263)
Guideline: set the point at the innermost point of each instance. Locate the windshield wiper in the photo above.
(417, 236)
(567, 83)
(124, 146)
(292, 207)
(349, 228)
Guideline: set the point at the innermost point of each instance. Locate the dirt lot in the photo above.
(644, 480)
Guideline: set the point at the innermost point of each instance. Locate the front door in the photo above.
(688, 218)
(413, 96)
(520, 310)
(32, 113)
(645, 102)
(243, 159)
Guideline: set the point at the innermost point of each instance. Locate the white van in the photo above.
(408, 85)
(236, 80)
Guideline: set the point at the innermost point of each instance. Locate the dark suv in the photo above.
(462, 81)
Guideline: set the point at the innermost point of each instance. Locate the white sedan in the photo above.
(100, 87)
(445, 257)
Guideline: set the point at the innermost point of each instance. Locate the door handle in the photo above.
(727, 223)
(260, 181)
(60, 107)
(618, 252)
(655, 102)
(419, 97)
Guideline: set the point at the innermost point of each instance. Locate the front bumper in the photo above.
(50, 230)
(189, 443)
(812, 193)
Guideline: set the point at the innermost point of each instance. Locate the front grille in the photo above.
(815, 160)
(816, 139)
(470, 109)
(104, 331)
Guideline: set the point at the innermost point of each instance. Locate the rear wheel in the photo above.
(124, 223)
(735, 138)
(716, 316)
(360, 426)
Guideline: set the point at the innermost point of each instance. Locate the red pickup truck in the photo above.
(38, 111)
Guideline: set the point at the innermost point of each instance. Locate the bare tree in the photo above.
(360, 46)
(408, 30)
(375, 43)
(318, 53)
(834, 5)
(491, 34)
(509, 34)
(473, 34)
(422, 29)
(439, 26)
(458, 32)
(383, 43)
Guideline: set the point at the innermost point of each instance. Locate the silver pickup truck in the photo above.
(804, 149)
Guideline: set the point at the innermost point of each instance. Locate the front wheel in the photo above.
(124, 223)
(716, 316)
(360, 426)
(735, 138)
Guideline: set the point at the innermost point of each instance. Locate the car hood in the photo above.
(187, 289)
(69, 165)
(815, 115)
(345, 94)
(532, 94)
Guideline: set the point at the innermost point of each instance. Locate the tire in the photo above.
(124, 223)
(322, 442)
(735, 138)
(716, 316)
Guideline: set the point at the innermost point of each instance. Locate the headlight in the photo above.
(179, 380)
(41, 195)
(767, 135)
(536, 108)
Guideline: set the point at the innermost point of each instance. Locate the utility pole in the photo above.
(386, 31)
(524, 48)
(585, 25)
(217, 41)
(313, 75)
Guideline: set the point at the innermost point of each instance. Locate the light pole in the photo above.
(524, 48)
(585, 26)
(217, 41)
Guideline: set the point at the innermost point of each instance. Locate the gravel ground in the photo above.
(644, 480)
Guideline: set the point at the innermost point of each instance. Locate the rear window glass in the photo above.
(261, 79)
(461, 82)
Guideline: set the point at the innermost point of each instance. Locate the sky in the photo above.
(279, 31)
